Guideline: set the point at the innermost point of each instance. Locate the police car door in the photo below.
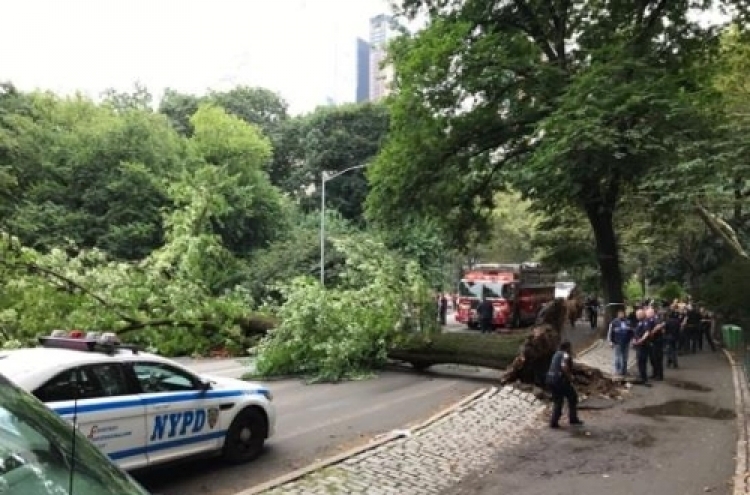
(181, 417)
(107, 409)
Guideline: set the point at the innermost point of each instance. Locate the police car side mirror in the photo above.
(205, 385)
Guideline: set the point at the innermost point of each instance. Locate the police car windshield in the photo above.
(37, 454)
(477, 289)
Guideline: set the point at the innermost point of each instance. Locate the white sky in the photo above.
(288, 46)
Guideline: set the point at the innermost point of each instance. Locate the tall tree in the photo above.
(91, 175)
(572, 102)
(333, 139)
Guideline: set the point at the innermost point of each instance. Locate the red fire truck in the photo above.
(517, 292)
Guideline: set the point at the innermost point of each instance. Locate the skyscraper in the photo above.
(383, 28)
(363, 70)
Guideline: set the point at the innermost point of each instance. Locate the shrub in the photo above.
(725, 290)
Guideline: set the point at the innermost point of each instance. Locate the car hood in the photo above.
(225, 383)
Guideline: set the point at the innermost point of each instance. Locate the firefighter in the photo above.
(443, 309)
(486, 315)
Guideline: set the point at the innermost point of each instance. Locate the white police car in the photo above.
(138, 408)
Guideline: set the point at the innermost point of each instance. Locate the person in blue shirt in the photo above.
(560, 383)
(619, 337)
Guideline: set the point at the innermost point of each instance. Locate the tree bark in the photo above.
(600, 217)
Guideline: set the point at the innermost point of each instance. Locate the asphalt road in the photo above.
(315, 421)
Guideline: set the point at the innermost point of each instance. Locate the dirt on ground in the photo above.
(676, 438)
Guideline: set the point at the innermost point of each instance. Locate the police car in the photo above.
(138, 408)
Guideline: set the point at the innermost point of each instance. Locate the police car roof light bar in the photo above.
(86, 345)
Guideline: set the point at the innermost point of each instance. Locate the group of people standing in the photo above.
(658, 333)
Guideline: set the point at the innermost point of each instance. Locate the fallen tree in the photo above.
(535, 355)
(493, 351)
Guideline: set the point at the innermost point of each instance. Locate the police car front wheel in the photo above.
(246, 436)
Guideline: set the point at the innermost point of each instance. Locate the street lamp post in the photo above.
(325, 177)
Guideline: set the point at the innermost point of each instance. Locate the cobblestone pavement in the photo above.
(600, 355)
(431, 459)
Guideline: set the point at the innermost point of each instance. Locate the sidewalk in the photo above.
(677, 438)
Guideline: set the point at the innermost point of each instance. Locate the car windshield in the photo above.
(38, 454)
(467, 288)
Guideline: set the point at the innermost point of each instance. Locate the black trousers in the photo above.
(642, 353)
(705, 333)
(561, 392)
(692, 333)
(656, 355)
(593, 316)
(485, 325)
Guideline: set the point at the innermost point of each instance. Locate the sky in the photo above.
(293, 47)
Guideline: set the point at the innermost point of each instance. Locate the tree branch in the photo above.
(721, 230)
(72, 284)
(533, 29)
(650, 21)
(165, 322)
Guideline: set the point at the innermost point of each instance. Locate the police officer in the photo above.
(672, 335)
(705, 330)
(692, 328)
(560, 382)
(641, 344)
(655, 329)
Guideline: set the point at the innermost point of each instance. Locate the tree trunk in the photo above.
(488, 351)
(600, 217)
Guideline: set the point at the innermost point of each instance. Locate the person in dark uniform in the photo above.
(632, 316)
(704, 330)
(655, 330)
(641, 344)
(592, 305)
(486, 315)
(560, 383)
(692, 328)
(672, 336)
(443, 309)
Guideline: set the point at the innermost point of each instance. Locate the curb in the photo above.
(740, 405)
(387, 438)
(590, 348)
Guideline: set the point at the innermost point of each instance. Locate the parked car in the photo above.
(139, 408)
(42, 454)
